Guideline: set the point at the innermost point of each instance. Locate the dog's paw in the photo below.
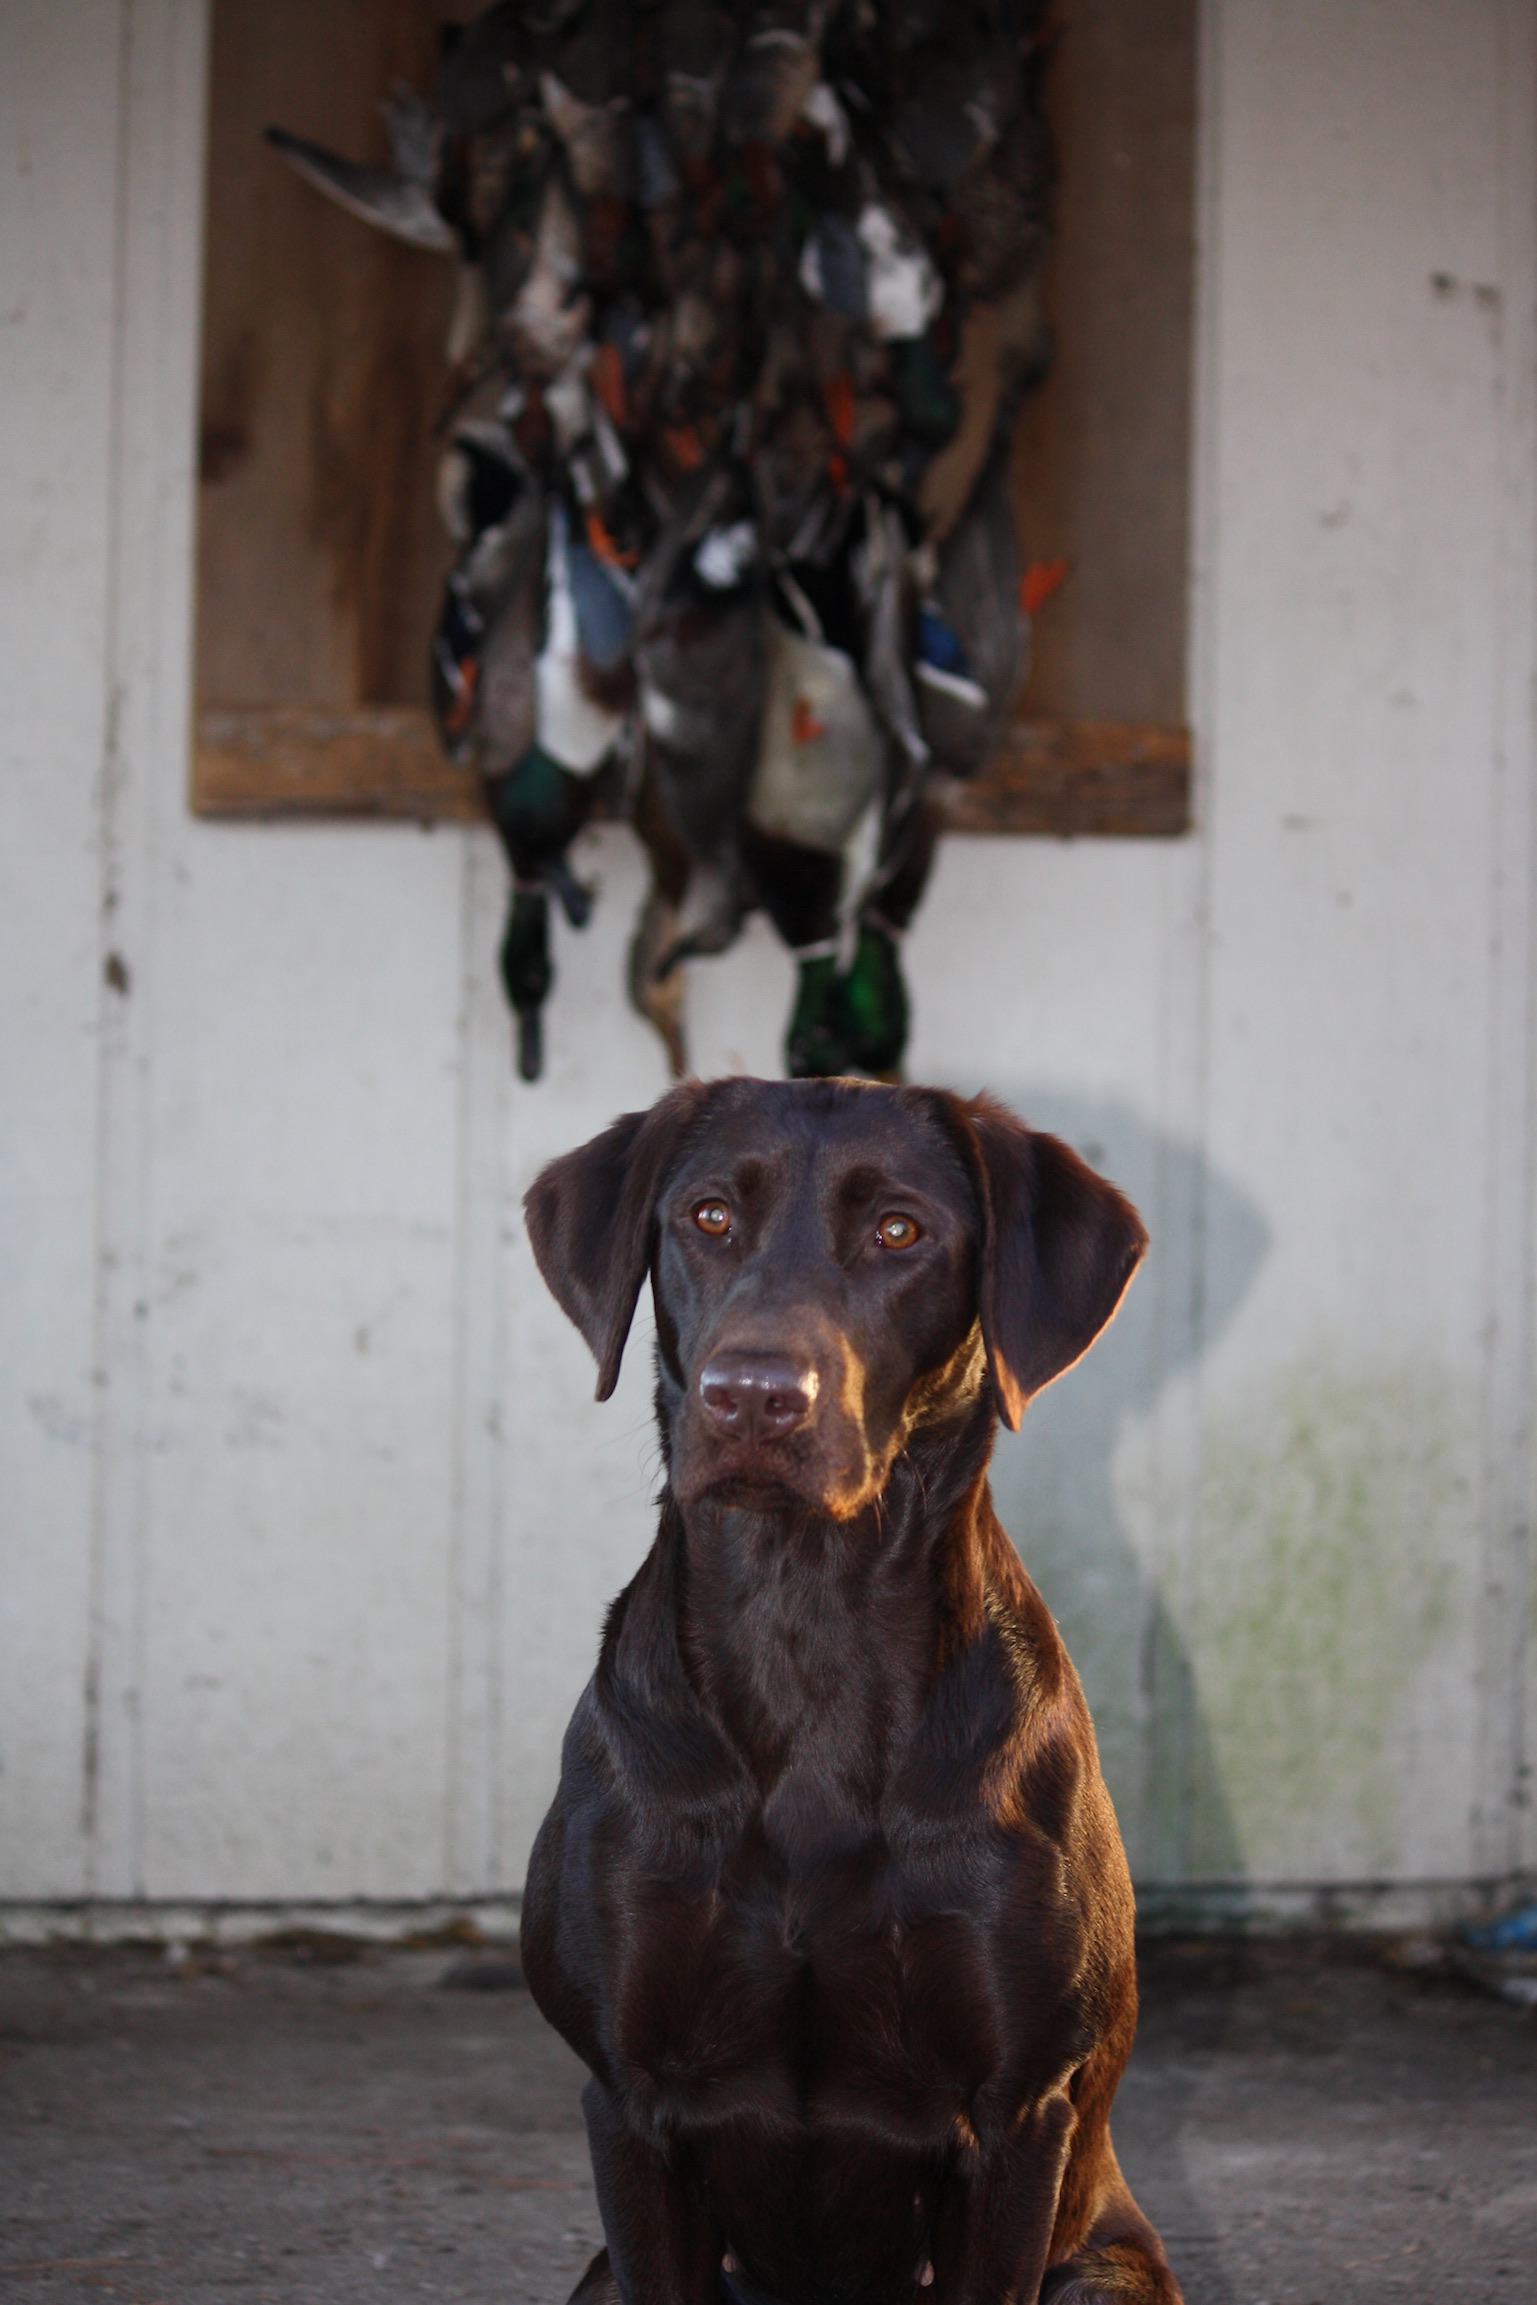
(1122, 2274)
(597, 2285)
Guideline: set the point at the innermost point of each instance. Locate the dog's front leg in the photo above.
(996, 2213)
(663, 2248)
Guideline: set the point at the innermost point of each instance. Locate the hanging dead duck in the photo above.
(545, 798)
(820, 766)
(702, 667)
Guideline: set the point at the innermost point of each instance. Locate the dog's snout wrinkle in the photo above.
(756, 1396)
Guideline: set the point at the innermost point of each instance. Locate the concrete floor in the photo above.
(1305, 2123)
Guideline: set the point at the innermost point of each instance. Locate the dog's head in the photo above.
(834, 1264)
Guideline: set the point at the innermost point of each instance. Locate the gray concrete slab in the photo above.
(1305, 2123)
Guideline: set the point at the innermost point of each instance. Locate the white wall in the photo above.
(308, 1518)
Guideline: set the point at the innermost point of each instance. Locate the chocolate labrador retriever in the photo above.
(831, 1899)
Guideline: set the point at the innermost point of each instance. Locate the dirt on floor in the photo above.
(1307, 2123)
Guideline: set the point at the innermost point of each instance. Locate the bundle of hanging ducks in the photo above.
(747, 304)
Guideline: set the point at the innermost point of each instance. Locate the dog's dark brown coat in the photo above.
(831, 1898)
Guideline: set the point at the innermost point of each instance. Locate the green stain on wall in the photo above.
(1337, 1559)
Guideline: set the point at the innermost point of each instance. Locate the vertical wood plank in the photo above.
(1367, 977)
(320, 548)
(1101, 462)
(476, 1857)
(147, 672)
(1505, 1834)
(59, 108)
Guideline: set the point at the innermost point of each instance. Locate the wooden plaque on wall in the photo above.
(320, 554)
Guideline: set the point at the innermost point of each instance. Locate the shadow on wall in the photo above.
(1103, 1540)
(1092, 1492)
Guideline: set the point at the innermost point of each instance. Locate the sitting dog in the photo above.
(831, 1899)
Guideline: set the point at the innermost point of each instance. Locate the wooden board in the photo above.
(320, 551)
(300, 760)
(1101, 470)
(320, 556)
(1117, 778)
(1121, 778)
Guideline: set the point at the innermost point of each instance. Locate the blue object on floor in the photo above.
(1513, 1933)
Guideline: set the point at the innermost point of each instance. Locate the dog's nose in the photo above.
(756, 1396)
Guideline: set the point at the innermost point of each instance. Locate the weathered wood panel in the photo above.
(306, 760)
(1116, 778)
(1108, 777)
(309, 1516)
(1102, 459)
(320, 554)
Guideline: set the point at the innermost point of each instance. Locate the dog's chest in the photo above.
(786, 1991)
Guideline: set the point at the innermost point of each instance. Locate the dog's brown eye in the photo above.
(713, 1217)
(896, 1232)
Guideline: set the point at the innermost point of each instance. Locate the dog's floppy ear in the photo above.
(592, 1214)
(1058, 1248)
